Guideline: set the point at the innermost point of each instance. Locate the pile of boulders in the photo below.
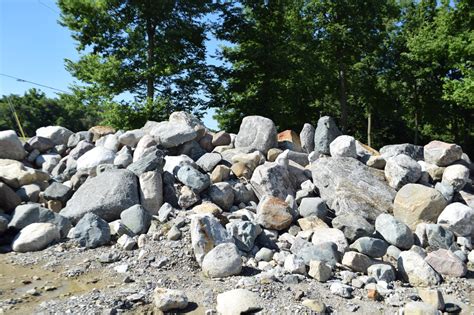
(292, 206)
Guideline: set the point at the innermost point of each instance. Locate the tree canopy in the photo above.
(389, 71)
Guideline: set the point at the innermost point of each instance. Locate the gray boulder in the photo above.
(206, 233)
(413, 151)
(95, 157)
(151, 191)
(26, 193)
(353, 226)
(325, 252)
(372, 247)
(244, 234)
(192, 178)
(136, 219)
(153, 161)
(326, 132)
(27, 214)
(8, 198)
(58, 191)
(313, 206)
(57, 134)
(131, 137)
(307, 138)
(34, 237)
(208, 161)
(442, 153)
(222, 261)
(39, 143)
(394, 231)
(456, 176)
(10, 146)
(81, 148)
(222, 195)
(272, 179)
(415, 270)
(170, 134)
(440, 237)
(92, 231)
(106, 195)
(348, 186)
(343, 146)
(401, 170)
(256, 133)
(381, 272)
(458, 218)
(124, 157)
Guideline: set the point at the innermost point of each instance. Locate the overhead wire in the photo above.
(31, 82)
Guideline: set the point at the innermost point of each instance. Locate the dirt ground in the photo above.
(65, 279)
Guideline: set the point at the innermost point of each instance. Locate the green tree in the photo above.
(150, 49)
(271, 69)
(35, 110)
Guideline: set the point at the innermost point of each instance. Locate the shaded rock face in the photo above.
(106, 195)
(92, 231)
(348, 186)
(325, 133)
(257, 133)
(10, 146)
(413, 151)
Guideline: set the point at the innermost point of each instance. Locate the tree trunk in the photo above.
(150, 81)
(416, 127)
(369, 129)
(343, 97)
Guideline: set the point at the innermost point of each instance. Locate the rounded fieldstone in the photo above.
(222, 261)
(394, 231)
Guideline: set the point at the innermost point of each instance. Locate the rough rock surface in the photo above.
(256, 133)
(36, 236)
(415, 203)
(10, 146)
(222, 261)
(115, 191)
(325, 133)
(348, 186)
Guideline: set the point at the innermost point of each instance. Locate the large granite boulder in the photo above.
(401, 170)
(36, 236)
(94, 157)
(272, 179)
(57, 134)
(326, 132)
(257, 133)
(106, 195)
(415, 203)
(15, 174)
(170, 134)
(442, 153)
(348, 186)
(10, 146)
(413, 151)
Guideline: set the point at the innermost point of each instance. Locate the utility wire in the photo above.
(31, 82)
(44, 4)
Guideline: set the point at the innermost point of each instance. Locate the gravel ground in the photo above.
(65, 279)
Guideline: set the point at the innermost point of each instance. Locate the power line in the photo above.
(31, 82)
(44, 4)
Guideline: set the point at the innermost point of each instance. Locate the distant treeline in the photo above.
(388, 71)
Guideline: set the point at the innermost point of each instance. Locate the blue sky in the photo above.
(33, 47)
